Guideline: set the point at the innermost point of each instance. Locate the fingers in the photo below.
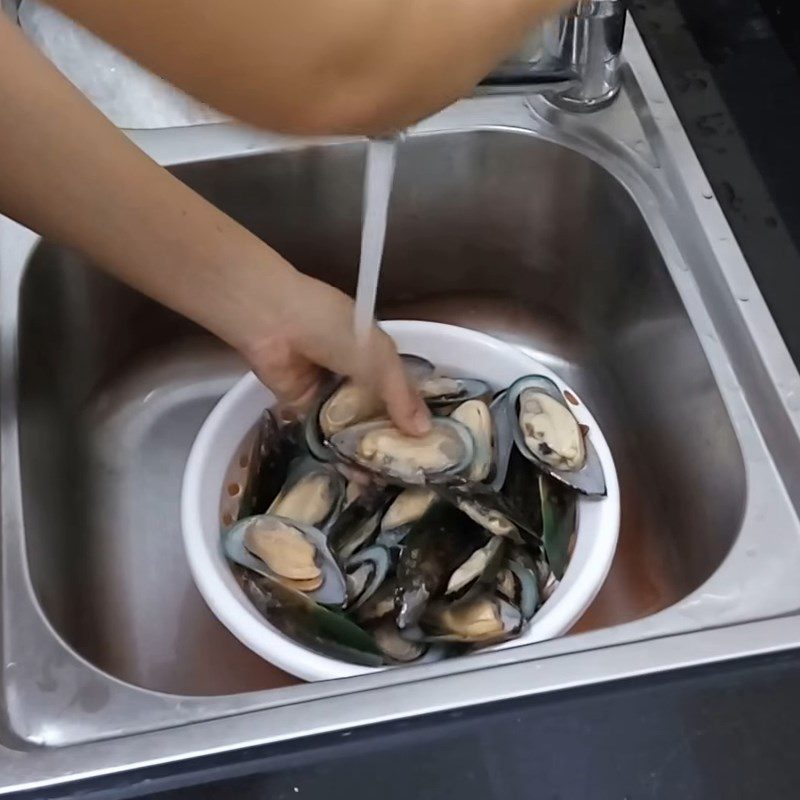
(320, 334)
(404, 404)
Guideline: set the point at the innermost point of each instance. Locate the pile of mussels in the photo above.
(454, 541)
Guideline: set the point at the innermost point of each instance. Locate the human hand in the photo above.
(313, 332)
(171, 244)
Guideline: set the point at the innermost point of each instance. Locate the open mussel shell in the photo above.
(341, 403)
(507, 500)
(313, 493)
(364, 573)
(480, 569)
(395, 647)
(442, 392)
(379, 447)
(378, 605)
(502, 441)
(508, 508)
(441, 541)
(408, 507)
(483, 510)
(476, 417)
(546, 432)
(326, 632)
(518, 584)
(480, 620)
(274, 446)
(289, 553)
(316, 441)
(357, 525)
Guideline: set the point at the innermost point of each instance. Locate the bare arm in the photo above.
(69, 174)
(317, 66)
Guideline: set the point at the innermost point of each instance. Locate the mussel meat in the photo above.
(476, 417)
(383, 544)
(547, 433)
(379, 447)
(289, 553)
(490, 519)
(441, 392)
(479, 569)
(409, 506)
(394, 646)
(342, 404)
(485, 619)
(312, 494)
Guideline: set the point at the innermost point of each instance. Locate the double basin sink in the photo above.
(593, 242)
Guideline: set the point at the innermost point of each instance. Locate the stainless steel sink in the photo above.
(594, 242)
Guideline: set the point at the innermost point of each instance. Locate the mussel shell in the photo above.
(518, 497)
(589, 479)
(476, 416)
(438, 543)
(379, 561)
(480, 569)
(550, 586)
(380, 604)
(395, 647)
(532, 558)
(559, 520)
(418, 368)
(506, 509)
(347, 443)
(307, 468)
(467, 389)
(526, 595)
(502, 442)
(357, 525)
(483, 510)
(409, 506)
(319, 629)
(315, 441)
(273, 449)
(332, 592)
(448, 621)
(394, 539)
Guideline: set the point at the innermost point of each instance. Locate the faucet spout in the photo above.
(575, 58)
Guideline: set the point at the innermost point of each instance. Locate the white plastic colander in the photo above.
(456, 351)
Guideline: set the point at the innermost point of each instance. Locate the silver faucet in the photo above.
(574, 57)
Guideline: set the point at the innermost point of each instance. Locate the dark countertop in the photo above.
(730, 731)
(721, 732)
(732, 70)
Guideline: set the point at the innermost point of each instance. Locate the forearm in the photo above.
(67, 173)
(318, 66)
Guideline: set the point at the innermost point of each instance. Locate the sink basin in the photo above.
(592, 242)
(113, 387)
